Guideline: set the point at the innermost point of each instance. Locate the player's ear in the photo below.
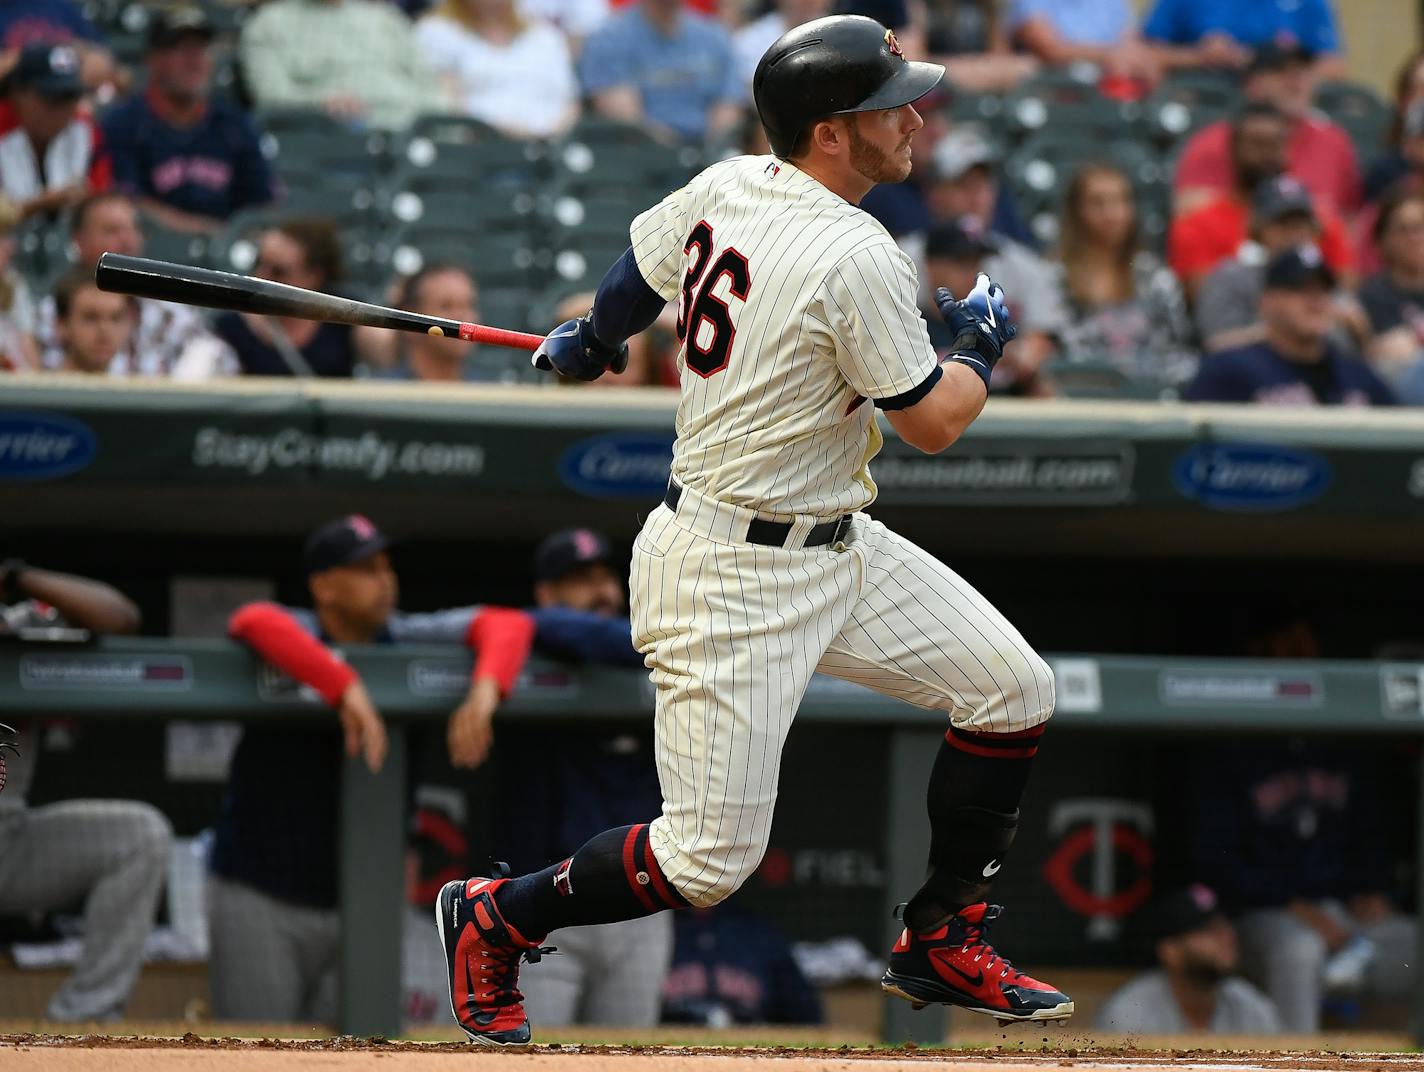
(829, 135)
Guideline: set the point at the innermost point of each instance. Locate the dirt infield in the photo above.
(92, 1053)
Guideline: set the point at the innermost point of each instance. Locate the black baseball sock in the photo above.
(612, 878)
(973, 800)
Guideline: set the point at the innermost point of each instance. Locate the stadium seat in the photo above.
(301, 141)
(430, 197)
(477, 165)
(1188, 100)
(1361, 111)
(168, 245)
(1041, 169)
(1060, 101)
(496, 260)
(601, 153)
(1101, 380)
(445, 129)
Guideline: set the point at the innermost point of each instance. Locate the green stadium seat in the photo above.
(1187, 101)
(1061, 101)
(1042, 168)
(164, 244)
(1360, 110)
(430, 197)
(477, 166)
(1101, 380)
(445, 129)
(496, 260)
(601, 154)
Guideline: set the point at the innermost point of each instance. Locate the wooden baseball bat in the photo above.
(187, 285)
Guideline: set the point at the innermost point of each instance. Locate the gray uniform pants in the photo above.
(1285, 956)
(611, 974)
(270, 960)
(112, 854)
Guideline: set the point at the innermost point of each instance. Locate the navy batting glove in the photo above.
(573, 350)
(982, 325)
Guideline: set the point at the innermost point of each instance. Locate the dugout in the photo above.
(1151, 548)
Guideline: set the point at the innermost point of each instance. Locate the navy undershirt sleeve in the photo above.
(914, 394)
(624, 304)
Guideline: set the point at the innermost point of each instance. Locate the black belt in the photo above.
(774, 533)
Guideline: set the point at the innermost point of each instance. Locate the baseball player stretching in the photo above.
(794, 308)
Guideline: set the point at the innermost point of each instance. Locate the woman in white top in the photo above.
(501, 67)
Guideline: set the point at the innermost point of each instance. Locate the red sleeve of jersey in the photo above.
(101, 167)
(279, 640)
(1335, 245)
(501, 638)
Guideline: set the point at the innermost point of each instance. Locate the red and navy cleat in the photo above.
(955, 965)
(482, 954)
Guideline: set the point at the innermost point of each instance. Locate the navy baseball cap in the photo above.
(51, 70)
(341, 542)
(1292, 269)
(1184, 911)
(1282, 196)
(1275, 55)
(958, 240)
(570, 549)
(171, 25)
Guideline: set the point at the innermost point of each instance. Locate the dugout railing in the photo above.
(196, 680)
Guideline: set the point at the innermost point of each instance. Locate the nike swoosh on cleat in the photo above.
(991, 868)
(942, 961)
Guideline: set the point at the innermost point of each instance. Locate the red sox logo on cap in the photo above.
(892, 44)
(586, 544)
(361, 525)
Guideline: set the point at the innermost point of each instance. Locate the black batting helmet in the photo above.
(830, 66)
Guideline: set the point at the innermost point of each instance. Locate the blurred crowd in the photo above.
(1278, 256)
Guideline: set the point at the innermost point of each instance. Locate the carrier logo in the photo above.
(1251, 477)
(622, 465)
(43, 446)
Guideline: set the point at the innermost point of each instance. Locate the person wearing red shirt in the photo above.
(1201, 239)
(1318, 151)
(273, 894)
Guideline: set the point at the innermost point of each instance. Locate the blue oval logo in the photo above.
(43, 446)
(621, 465)
(1252, 477)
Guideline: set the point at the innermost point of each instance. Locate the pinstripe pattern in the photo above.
(830, 316)
(733, 631)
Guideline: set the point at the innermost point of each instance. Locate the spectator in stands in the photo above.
(501, 67)
(92, 326)
(18, 352)
(1391, 165)
(1394, 299)
(733, 967)
(1102, 32)
(1296, 364)
(965, 181)
(273, 890)
(575, 19)
(60, 22)
(587, 778)
(751, 41)
(665, 68)
(1409, 180)
(1192, 990)
(110, 854)
(954, 253)
(169, 339)
(356, 59)
(190, 160)
(969, 38)
(1202, 238)
(302, 253)
(1294, 833)
(1222, 33)
(1228, 309)
(1318, 151)
(1124, 306)
(445, 290)
(51, 153)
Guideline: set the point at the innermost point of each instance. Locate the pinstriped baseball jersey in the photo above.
(794, 307)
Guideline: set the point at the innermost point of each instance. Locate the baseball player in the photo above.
(760, 568)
